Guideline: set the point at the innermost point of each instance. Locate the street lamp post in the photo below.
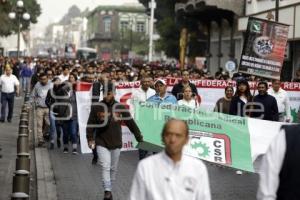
(276, 10)
(20, 14)
(152, 6)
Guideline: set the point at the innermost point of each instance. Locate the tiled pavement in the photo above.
(8, 143)
(77, 179)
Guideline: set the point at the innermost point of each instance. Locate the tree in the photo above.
(73, 12)
(9, 26)
(129, 40)
(166, 26)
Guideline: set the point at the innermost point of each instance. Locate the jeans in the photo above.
(7, 98)
(55, 127)
(109, 165)
(26, 83)
(58, 128)
(70, 131)
(52, 126)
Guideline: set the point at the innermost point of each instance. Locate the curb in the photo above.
(46, 185)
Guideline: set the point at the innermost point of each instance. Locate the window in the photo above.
(124, 25)
(107, 24)
(140, 27)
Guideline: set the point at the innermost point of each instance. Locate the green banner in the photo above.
(214, 137)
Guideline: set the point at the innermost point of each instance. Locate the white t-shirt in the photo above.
(244, 99)
(63, 77)
(140, 95)
(283, 102)
(8, 83)
(192, 103)
(159, 178)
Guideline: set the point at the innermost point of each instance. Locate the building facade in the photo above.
(10, 44)
(112, 30)
(214, 26)
(288, 13)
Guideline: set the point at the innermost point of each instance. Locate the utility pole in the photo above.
(183, 45)
(19, 14)
(131, 32)
(277, 11)
(19, 32)
(152, 5)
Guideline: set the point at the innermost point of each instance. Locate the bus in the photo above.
(86, 54)
(14, 52)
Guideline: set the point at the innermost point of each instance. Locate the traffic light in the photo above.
(148, 11)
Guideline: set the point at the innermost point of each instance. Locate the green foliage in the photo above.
(8, 26)
(73, 12)
(169, 30)
(130, 40)
(166, 26)
(170, 35)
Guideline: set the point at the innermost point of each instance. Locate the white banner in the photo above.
(83, 96)
(262, 132)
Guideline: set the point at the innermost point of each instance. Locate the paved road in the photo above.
(77, 179)
(8, 143)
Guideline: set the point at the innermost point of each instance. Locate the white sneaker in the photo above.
(74, 151)
(239, 172)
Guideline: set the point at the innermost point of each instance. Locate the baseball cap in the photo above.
(160, 81)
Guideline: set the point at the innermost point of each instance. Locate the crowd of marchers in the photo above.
(52, 84)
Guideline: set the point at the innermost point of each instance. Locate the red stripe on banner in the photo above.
(83, 86)
(127, 85)
(291, 86)
(288, 86)
(227, 147)
(124, 99)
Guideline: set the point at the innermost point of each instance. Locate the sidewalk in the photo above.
(77, 179)
(8, 143)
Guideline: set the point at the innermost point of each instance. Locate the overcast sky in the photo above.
(54, 10)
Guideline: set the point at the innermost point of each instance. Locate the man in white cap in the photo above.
(161, 96)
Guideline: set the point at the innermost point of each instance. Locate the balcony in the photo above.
(235, 6)
(100, 36)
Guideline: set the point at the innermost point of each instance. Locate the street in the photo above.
(216, 80)
(77, 179)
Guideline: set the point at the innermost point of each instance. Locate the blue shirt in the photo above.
(168, 99)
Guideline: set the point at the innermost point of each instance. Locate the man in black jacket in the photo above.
(97, 96)
(105, 119)
(266, 105)
(177, 90)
